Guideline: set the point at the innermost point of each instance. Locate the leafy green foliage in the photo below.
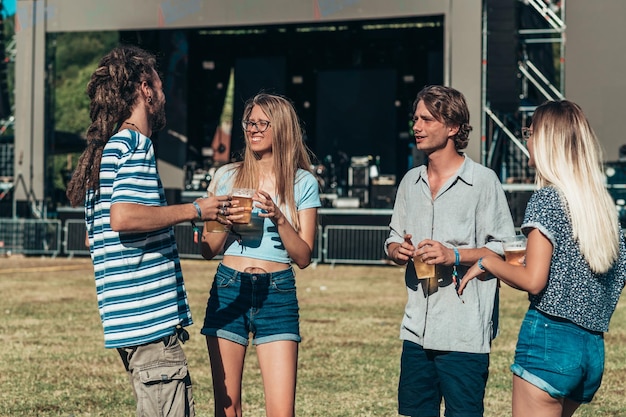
(76, 56)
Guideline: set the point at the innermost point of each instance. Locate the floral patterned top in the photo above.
(573, 291)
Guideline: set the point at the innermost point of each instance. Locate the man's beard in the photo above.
(157, 118)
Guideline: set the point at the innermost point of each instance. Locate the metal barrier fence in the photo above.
(184, 240)
(74, 241)
(7, 151)
(30, 237)
(355, 244)
(74, 238)
(347, 244)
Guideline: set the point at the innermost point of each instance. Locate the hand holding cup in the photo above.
(215, 206)
(242, 203)
(269, 209)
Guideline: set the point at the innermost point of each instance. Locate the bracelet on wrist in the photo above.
(480, 265)
(198, 209)
(457, 257)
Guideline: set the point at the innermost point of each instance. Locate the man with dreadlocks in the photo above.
(140, 290)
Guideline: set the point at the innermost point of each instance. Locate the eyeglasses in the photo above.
(261, 126)
(526, 133)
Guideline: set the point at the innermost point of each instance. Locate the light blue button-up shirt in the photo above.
(469, 211)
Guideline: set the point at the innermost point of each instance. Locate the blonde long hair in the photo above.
(568, 156)
(289, 151)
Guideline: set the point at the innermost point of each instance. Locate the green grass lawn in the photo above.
(53, 362)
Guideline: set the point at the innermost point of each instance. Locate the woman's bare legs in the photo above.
(278, 362)
(227, 360)
(530, 401)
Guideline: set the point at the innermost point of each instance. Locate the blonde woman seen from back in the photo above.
(575, 267)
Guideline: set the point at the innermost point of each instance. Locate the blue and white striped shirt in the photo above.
(139, 283)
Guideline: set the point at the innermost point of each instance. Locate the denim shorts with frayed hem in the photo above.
(264, 305)
(559, 357)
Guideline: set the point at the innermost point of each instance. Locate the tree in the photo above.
(75, 57)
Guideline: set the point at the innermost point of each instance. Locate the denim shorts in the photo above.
(427, 376)
(264, 305)
(559, 357)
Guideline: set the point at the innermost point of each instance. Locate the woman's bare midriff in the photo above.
(242, 264)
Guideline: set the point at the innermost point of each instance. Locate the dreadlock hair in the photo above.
(113, 90)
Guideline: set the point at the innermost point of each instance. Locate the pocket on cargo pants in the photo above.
(165, 391)
(161, 380)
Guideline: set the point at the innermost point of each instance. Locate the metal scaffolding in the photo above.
(541, 72)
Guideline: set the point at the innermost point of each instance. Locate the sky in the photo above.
(8, 7)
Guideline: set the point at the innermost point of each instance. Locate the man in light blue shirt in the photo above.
(449, 212)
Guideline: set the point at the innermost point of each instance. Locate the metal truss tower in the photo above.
(539, 35)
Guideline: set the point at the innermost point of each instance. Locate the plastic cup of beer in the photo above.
(244, 198)
(426, 274)
(422, 269)
(514, 249)
(214, 226)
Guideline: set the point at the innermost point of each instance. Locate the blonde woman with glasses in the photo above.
(254, 289)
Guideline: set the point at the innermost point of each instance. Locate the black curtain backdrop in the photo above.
(356, 114)
(253, 75)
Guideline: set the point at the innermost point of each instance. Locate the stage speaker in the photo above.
(503, 84)
(7, 156)
(358, 176)
(383, 196)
